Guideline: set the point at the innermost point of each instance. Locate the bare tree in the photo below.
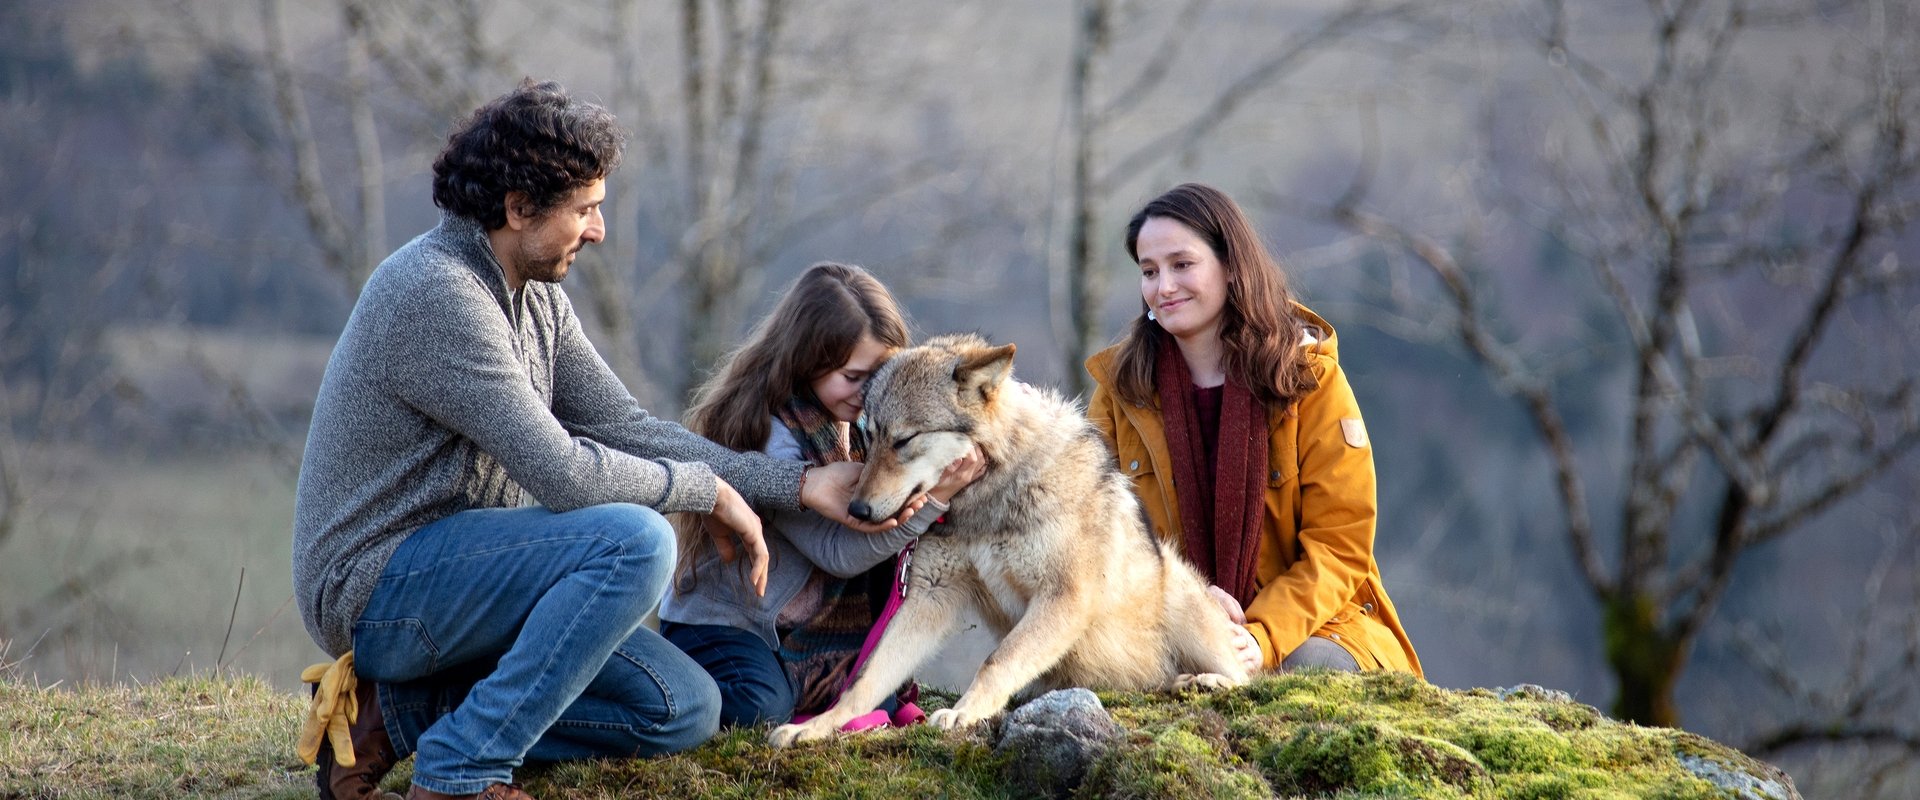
(428, 62)
(59, 299)
(715, 128)
(725, 97)
(1682, 193)
(1867, 703)
(1095, 174)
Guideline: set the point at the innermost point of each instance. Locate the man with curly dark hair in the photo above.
(477, 528)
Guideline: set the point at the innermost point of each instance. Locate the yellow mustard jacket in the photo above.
(1316, 575)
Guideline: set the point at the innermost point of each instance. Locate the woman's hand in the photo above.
(828, 489)
(1244, 645)
(1247, 648)
(1235, 613)
(735, 530)
(963, 471)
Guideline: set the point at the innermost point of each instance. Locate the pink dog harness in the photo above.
(908, 713)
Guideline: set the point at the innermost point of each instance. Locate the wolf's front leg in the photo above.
(1051, 626)
(918, 628)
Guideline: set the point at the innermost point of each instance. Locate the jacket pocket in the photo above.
(1283, 461)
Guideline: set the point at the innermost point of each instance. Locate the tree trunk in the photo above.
(1084, 284)
(1646, 660)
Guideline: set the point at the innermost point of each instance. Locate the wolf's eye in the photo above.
(901, 443)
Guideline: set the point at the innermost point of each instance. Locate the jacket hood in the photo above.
(1321, 338)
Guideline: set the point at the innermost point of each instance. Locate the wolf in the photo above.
(1049, 547)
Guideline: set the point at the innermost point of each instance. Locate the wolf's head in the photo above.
(922, 408)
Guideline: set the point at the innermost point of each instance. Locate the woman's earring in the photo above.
(1150, 316)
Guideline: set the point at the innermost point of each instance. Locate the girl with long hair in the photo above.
(793, 390)
(1226, 405)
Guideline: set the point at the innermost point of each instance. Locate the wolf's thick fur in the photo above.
(1049, 547)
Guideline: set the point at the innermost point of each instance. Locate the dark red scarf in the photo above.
(1220, 512)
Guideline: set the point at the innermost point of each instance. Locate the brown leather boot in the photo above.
(373, 755)
(498, 791)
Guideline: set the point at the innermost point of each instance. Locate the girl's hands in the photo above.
(735, 530)
(963, 471)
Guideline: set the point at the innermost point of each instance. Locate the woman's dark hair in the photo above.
(536, 139)
(1259, 332)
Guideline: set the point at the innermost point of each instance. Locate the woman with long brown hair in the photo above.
(793, 390)
(1225, 403)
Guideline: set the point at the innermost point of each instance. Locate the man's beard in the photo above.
(547, 267)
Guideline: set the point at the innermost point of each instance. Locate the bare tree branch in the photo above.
(1262, 75)
(309, 189)
(1152, 73)
(1534, 393)
(366, 138)
(1836, 490)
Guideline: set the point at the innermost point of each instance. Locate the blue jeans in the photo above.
(754, 686)
(505, 635)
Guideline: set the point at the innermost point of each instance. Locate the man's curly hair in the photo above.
(535, 139)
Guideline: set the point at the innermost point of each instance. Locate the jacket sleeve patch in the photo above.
(1355, 432)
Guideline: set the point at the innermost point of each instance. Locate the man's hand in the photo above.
(828, 489)
(963, 471)
(736, 529)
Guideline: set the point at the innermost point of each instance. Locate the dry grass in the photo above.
(180, 737)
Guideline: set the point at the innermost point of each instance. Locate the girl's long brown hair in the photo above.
(811, 331)
(1259, 332)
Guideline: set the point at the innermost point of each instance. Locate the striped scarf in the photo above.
(819, 651)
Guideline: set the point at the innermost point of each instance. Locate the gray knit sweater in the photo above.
(447, 393)
(798, 542)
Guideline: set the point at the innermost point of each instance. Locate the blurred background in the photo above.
(1628, 290)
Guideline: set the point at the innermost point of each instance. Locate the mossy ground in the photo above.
(1312, 735)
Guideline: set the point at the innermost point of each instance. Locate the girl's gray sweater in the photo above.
(799, 542)
(447, 393)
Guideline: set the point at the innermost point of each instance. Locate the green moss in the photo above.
(1372, 759)
(1175, 761)
(1331, 736)
(1572, 784)
(1517, 745)
(1391, 735)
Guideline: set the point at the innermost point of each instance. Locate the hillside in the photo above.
(1313, 736)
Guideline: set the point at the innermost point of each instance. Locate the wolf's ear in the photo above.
(981, 370)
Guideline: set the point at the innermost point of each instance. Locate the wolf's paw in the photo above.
(1205, 682)
(948, 719)
(789, 735)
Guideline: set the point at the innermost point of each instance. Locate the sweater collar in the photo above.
(468, 238)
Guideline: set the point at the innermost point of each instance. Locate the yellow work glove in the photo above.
(334, 708)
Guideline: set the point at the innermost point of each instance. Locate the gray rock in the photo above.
(1740, 784)
(1531, 691)
(1050, 742)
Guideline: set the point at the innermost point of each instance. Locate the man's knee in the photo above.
(696, 717)
(637, 534)
(633, 526)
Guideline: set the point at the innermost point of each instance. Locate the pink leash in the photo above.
(908, 713)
